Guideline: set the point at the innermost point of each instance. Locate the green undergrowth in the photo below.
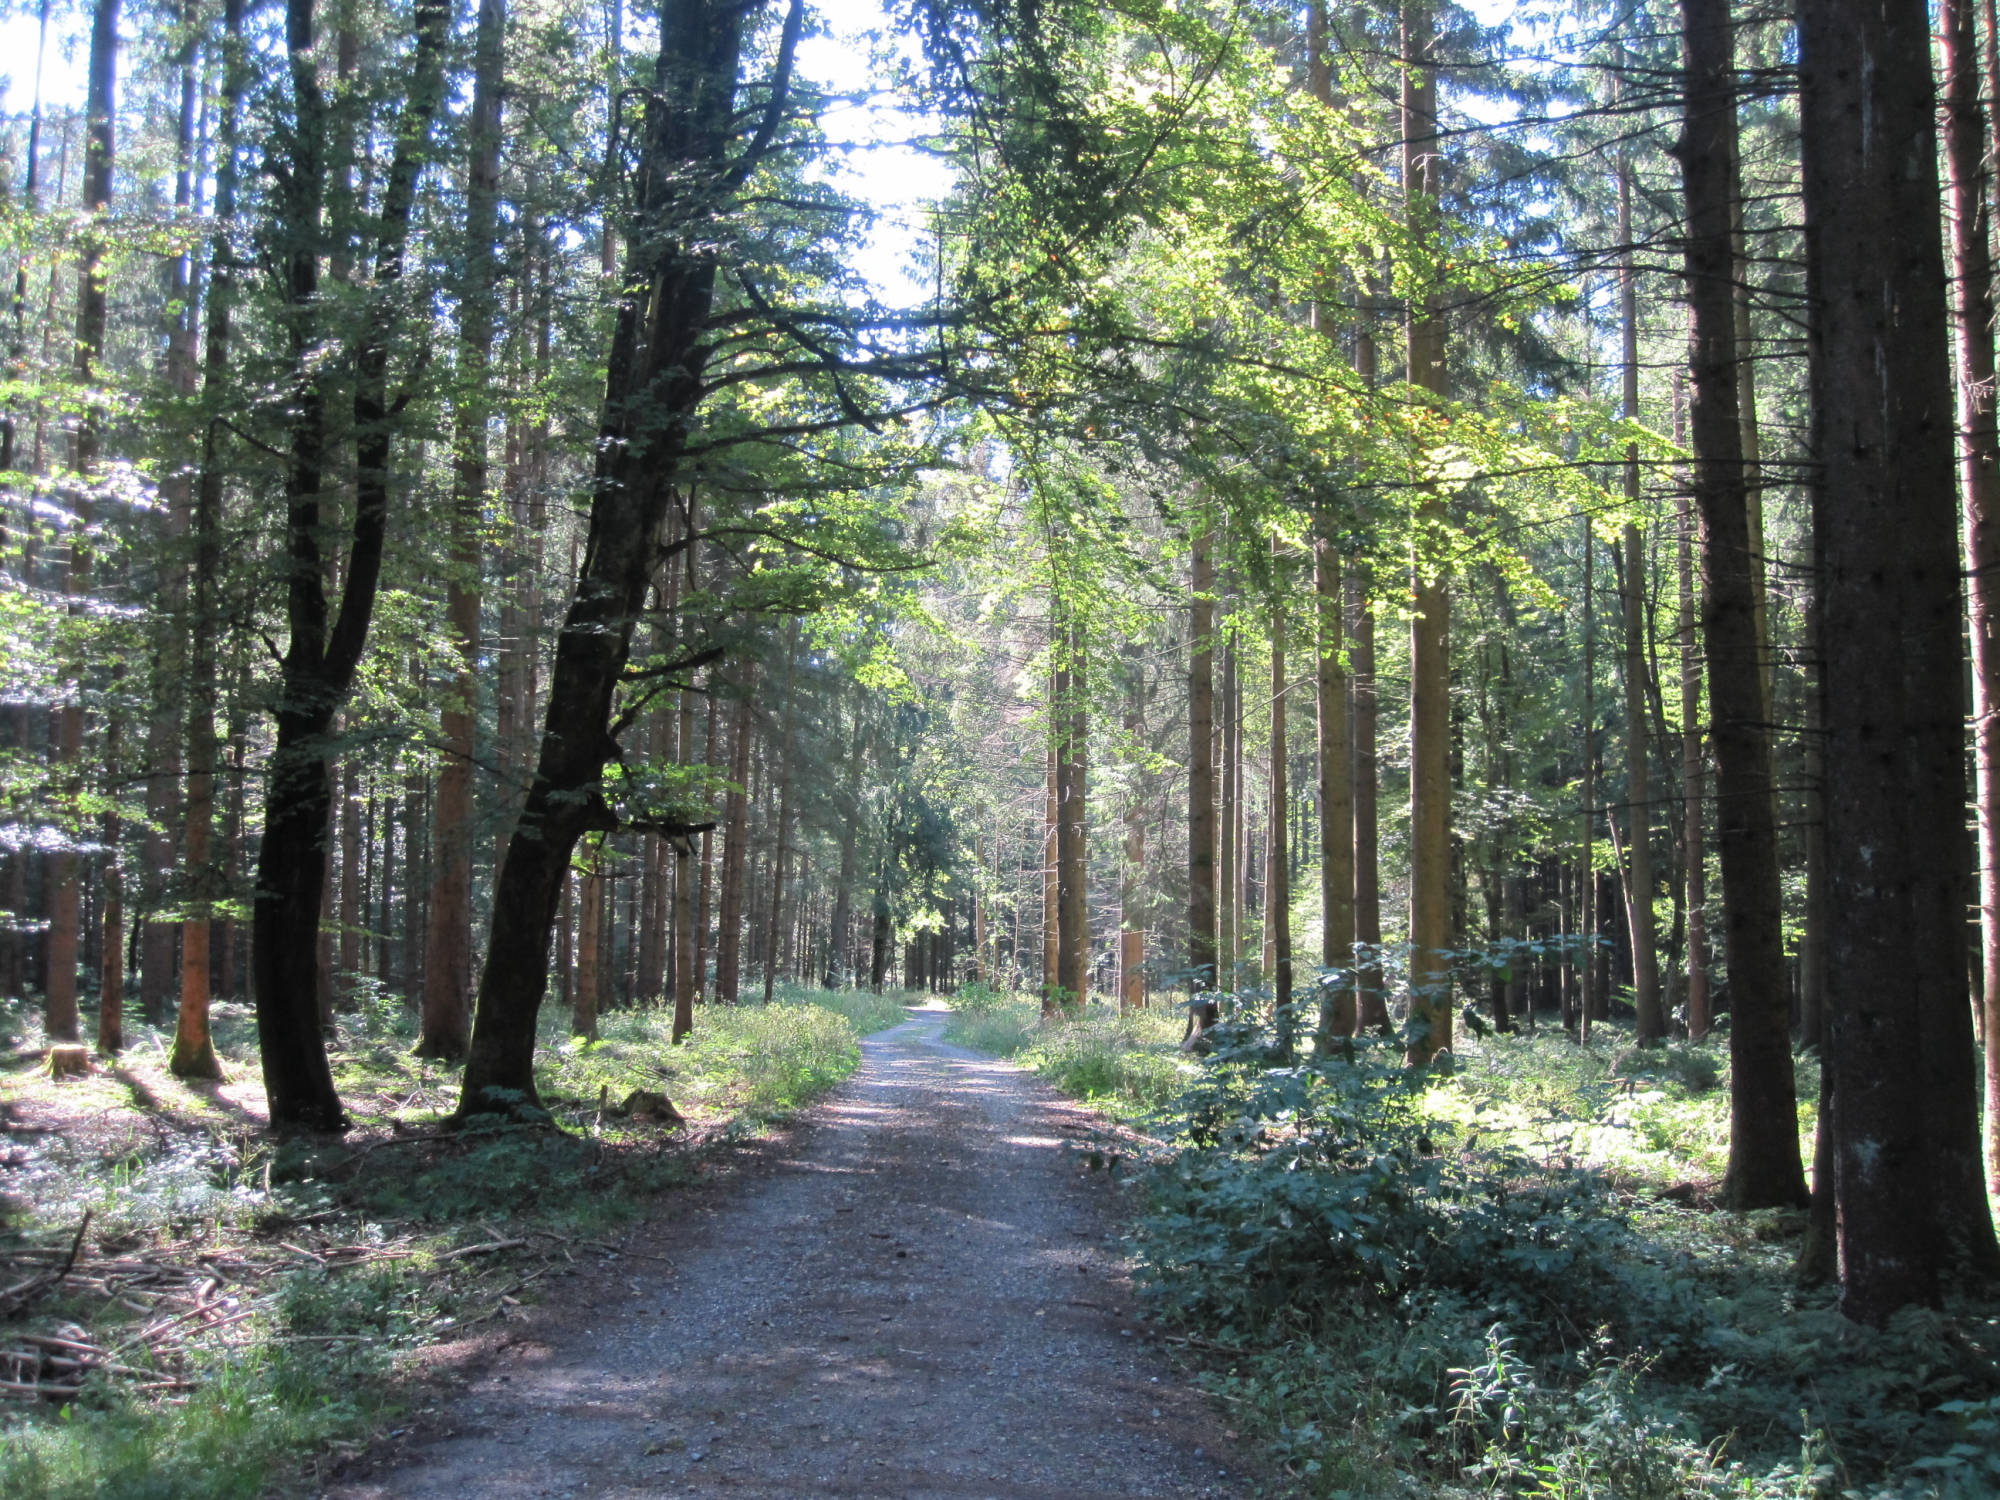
(1513, 1281)
(1128, 1065)
(340, 1257)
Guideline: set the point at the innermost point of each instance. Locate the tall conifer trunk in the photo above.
(1430, 621)
(1764, 1169)
(1652, 1020)
(193, 1054)
(447, 992)
(1201, 783)
(1072, 827)
(1967, 141)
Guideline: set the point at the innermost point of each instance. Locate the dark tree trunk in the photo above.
(320, 660)
(1905, 1121)
(654, 383)
(1764, 1169)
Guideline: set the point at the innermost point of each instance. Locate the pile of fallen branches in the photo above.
(148, 1310)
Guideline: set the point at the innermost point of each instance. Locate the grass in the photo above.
(339, 1257)
(1128, 1065)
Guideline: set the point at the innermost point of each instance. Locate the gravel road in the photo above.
(922, 1296)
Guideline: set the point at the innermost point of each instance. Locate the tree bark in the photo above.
(1430, 622)
(321, 658)
(446, 1026)
(1132, 872)
(1277, 848)
(63, 872)
(1371, 998)
(1201, 786)
(1652, 1020)
(1072, 825)
(653, 386)
(774, 929)
(1694, 778)
(193, 1054)
(837, 969)
(1967, 142)
(1764, 1169)
(735, 851)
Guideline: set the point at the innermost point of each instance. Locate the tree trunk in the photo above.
(653, 385)
(1072, 825)
(1889, 625)
(1652, 1020)
(1277, 855)
(1967, 141)
(165, 769)
(1371, 997)
(1587, 926)
(1201, 786)
(446, 1026)
(587, 996)
(320, 659)
(735, 850)
(64, 869)
(1430, 622)
(1694, 776)
(1132, 872)
(837, 970)
(1230, 913)
(775, 928)
(1338, 1015)
(1764, 1169)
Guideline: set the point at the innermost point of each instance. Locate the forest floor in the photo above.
(918, 1291)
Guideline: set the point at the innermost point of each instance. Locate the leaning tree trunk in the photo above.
(447, 1004)
(653, 385)
(320, 659)
(1764, 1169)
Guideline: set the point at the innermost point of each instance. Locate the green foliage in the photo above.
(1429, 1294)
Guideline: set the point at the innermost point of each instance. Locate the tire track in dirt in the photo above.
(922, 1298)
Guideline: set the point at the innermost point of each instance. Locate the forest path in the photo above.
(921, 1296)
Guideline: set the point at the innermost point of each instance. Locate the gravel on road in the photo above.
(923, 1295)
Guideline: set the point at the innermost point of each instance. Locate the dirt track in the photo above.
(922, 1297)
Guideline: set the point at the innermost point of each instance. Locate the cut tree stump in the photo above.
(68, 1061)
